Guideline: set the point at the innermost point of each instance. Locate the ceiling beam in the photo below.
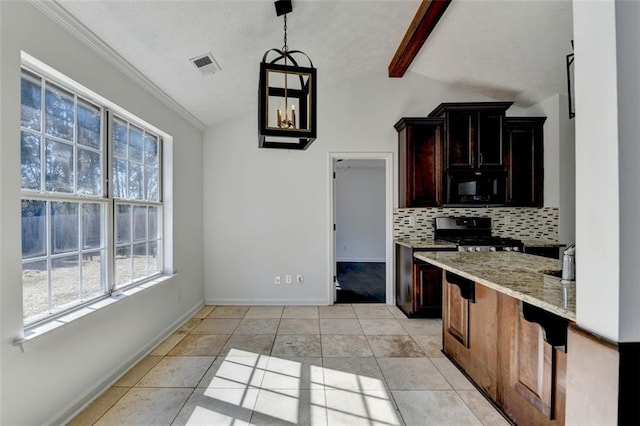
(427, 16)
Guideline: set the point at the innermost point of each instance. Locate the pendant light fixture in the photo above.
(286, 95)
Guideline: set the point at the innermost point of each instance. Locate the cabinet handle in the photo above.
(480, 158)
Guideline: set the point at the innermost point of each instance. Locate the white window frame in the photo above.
(106, 199)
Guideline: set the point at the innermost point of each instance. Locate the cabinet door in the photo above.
(460, 139)
(420, 162)
(427, 297)
(532, 365)
(525, 161)
(455, 323)
(490, 139)
(404, 279)
(483, 340)
(532, 373)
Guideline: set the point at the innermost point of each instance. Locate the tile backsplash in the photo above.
(514, 222)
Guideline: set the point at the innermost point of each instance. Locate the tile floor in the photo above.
(267, 365)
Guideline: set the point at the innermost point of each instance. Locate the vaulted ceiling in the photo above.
(507, 49)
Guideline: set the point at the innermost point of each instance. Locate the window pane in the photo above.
(154, 259)
(64, 221)
(123, 223)
(92, 274)
(30, 160)
(91, 226)
(88, 125)
(120, 137)
(153, 223)
(89, 172)
(59, 162)
(135, 181)
(59, 112)
(150, 150)
(65, 276)
(34, 226)
(120, 178)
(35, 290)
(151, 184)
(139, 261)
(123, 266)
(139, 223)
(31, 101)
(135, 143)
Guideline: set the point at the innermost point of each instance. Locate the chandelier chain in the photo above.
(285, 47)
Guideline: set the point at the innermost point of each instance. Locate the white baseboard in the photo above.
(67, 414)
(363, 260)
(268, 302)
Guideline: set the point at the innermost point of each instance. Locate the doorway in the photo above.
(361, 210)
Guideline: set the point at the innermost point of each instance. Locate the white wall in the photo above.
(360, 211)
(597, 184)
(628, 54)
(567, 175)
(266, 210)
(46, 384)
(559, 162)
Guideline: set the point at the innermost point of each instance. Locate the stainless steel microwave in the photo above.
(476, 187)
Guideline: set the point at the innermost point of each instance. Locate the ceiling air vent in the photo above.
(206, 64)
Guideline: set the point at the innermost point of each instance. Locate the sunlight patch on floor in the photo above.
(286, 390)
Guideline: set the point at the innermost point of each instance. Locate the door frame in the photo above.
(389, 203)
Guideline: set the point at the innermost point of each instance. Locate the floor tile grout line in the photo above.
(469, 407)
(322, 359)
(183, 404)
(107, 410)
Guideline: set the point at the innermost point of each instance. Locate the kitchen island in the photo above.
(505, 326)
(517, 275)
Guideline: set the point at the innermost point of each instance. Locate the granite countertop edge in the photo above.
(426, 243)
(533, 294)
(429, 243)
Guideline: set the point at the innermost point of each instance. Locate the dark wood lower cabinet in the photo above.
(504, 354)
(427, 297)
(418, 285)
(552, 252)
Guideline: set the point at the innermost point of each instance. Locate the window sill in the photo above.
(43, 332)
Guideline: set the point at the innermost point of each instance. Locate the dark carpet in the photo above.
(361, 282)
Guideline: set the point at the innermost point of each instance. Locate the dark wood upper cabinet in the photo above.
(420, 162)
(474, 134)
(525, 161)
(458, 137)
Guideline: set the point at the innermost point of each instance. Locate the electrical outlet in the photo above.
(344, 248)
(276, 280)
(287, 278)
(299, 279)
(410, 220)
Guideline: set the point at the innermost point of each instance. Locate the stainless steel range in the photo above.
(473, 234)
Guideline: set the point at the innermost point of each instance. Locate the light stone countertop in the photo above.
(531, 242)
(425, 244)
(518, 275)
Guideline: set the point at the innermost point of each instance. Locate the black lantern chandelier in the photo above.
(286, 95)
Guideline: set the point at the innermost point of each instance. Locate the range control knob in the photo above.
(507, 249)
(515, 249)
(478, 249)
(492, 249)
(469, 248)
